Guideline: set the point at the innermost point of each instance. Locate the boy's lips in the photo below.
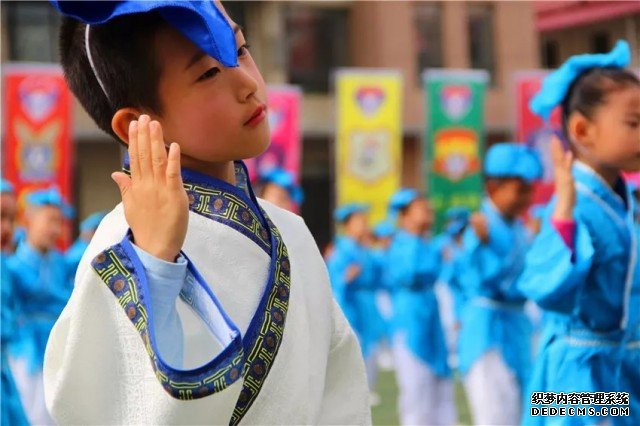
(258, 115)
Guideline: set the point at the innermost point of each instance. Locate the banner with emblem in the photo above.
(454, 138)
(533, 131)
(36, 137)
(368, 147)
(284, 151)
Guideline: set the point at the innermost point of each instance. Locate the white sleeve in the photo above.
(346, 395)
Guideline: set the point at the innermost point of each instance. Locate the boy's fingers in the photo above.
(144, 148)
(133, 149)
(158, 153)
(174, 178)
(123, 182)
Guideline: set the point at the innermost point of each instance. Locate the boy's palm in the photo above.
(156, 205)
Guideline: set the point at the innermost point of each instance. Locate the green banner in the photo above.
(454, 137)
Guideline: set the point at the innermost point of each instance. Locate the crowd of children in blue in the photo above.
(581, 269)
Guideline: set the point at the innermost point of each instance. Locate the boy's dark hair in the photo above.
(124, 58)
(590, 89)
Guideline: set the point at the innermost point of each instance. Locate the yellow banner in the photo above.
(369, 138)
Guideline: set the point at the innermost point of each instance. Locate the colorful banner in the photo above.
(530, 129)
(36, 140)
(368, 149)
(454, 137)
(286, 142)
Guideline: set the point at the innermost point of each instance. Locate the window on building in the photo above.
(316, 45)
(600, 42)
(481, 38)
(428, 26)
(550, 54)
(32, 29)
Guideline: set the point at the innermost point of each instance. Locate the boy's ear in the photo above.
(581, 129)
(120, 122)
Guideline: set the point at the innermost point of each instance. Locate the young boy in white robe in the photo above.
(194, 303)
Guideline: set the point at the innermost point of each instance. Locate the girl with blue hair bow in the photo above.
(583, 267)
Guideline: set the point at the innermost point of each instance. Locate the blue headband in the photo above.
(199, 21)
(344, 212)
(284, 179)
(507, 160)
(555, 86)
(50, 197)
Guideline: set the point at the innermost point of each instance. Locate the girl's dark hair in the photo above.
(590, 89)
(124, 58)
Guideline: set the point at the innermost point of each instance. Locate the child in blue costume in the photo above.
(278, 186)
(495, 337)
(420, 352)
(87, 229)
(353, 271)
(42, 286)
(12, 411)
(583, 266)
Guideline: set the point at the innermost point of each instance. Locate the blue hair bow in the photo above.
(555, 86)
(199, 21)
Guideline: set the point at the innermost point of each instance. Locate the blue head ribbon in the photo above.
(50, 197)
(199, 21)
(384, 229)
(513, 160)
(92, 221)
(400, 200)
(344, 212)
(6, 186)
(284, 179)
(555, 86)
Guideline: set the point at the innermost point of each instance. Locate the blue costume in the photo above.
(495, 336)
(42, 288)
(12, 411)
(357, 297)
(591, 291)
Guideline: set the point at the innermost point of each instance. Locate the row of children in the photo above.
(580, 267)
(37, 280)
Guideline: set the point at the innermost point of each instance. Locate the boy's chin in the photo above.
(255, 149)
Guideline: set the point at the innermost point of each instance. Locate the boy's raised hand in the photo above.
(564, 183)
(156, 205)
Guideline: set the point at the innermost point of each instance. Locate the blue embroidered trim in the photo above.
(121, 270)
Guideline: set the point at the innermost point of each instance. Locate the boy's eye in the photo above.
(211, 72)
(243, 50)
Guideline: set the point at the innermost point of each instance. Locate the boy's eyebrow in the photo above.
(200, 54)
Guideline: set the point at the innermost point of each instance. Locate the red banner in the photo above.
(284, 121)
(530, 129)
(36, 149)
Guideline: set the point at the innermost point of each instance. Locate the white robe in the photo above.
(97, 370)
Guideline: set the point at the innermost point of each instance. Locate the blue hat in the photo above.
(92, 221)
(284, 179)
(50, 197)
(344, 212)
(505, 160)
(555, 86)
(384, 229)
(6, 186)
(402, 198)
(457, 219)
(199, 21)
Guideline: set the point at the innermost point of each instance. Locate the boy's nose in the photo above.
(245, 84)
